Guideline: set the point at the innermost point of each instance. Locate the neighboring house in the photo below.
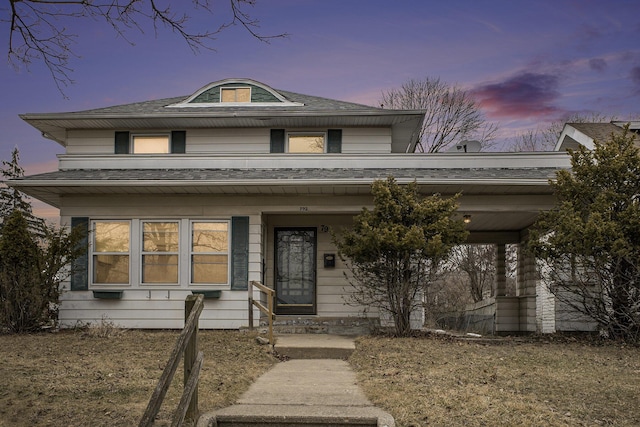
(576, 134)
(240, 182)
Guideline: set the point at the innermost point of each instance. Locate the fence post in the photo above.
(190, 355)
(250, 306)
(270, 305)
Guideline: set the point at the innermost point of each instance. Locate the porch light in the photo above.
(466, 219)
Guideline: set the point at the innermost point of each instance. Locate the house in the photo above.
(575, 135)
(241, 182)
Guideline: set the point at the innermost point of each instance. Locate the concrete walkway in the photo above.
(308, 392)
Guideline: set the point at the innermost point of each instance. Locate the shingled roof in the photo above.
(290, 111)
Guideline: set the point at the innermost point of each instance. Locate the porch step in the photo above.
(314, 346)
(350, 326)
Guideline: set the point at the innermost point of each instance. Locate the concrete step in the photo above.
(314, 346)
(307, 393)
(295, 415)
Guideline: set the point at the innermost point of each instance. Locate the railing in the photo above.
(187, 344)
(268, 310)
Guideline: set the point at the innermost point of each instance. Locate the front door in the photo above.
(295, 270)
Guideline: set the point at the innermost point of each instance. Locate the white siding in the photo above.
(90, 142)
(228, 141)
(366, 140)
(232, 140)
(152, 310)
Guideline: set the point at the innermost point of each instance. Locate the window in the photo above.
(111, 246)
(160, 246)
(235, 94)
(209, 252)
(317, 142)
(306, 143)
(150, 144)
(176, 252)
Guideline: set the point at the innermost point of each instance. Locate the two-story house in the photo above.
(240, 182)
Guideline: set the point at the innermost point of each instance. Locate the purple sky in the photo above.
(527, 62)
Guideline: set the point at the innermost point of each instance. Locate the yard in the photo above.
(105, 377)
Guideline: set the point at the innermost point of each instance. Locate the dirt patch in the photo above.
(105, 377)
(445, 381)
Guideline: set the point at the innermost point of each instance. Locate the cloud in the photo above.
(598, 64)
(524, 95)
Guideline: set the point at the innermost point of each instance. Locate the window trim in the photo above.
(307, 133)
(190, 254)
(92, 253)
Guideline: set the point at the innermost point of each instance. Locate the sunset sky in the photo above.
(526, 62)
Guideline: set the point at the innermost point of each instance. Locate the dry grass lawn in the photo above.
(105, 378)
(443, 382)
(89, 378)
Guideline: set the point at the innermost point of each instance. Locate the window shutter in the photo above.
(334, 141)
(178, 141)
(122, 143)
(80, 266)
(239, 253)
(277, 140)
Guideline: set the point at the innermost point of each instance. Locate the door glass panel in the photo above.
(295, 268)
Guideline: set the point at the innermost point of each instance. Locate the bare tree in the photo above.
(477, 263)
(37, 30)
(451, 113)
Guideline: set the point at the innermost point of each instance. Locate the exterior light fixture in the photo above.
(466, 219)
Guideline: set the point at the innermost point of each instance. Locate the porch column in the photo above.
(501, 270)
(531, 302)
(507, 307)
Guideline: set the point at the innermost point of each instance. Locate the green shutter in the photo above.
(122, 143)
(334, 141)
(277, 140)
(239, 253)
(80, 266)
(178, 141)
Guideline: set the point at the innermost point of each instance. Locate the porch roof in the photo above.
(50, 187)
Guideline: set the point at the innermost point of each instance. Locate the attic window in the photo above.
(235, 94)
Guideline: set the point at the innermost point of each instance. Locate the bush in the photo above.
(31, 269)
(25, 305)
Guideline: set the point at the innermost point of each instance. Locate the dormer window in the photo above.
(150, 144)
(235, 94)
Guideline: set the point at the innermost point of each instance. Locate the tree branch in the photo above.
(36, 34)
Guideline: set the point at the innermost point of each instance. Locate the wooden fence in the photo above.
(186, 345)
(268, 310)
